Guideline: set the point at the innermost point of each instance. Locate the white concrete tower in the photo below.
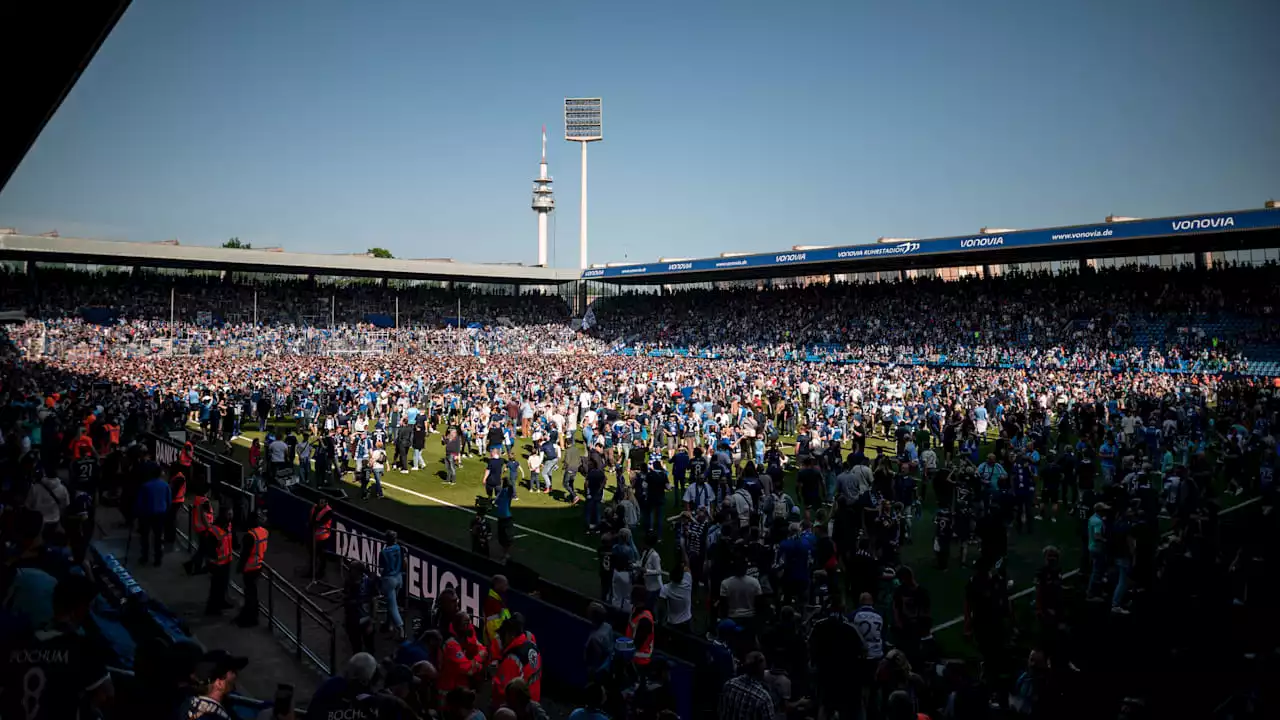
(543, 201)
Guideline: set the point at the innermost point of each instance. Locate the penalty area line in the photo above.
(527, 530)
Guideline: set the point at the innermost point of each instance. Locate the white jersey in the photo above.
(870, 626)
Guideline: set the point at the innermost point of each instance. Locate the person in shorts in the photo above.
(502, 510)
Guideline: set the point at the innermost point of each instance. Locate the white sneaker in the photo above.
(1037, 517)
(1053, 519)
(404, 472)
(1119, 610)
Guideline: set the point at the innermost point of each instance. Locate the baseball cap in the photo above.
(400, 675)
(217, 663)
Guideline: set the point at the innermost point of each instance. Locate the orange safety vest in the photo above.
(322, 521)
(643, 653)
(222, 546)
(201, 514)
(259, 551)
(179, 483)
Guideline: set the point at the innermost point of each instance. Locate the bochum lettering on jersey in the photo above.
(40, 657)
(424, 579)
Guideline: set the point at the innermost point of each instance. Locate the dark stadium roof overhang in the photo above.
(49, 45)
(1239, 230)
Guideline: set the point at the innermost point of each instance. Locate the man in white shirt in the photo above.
(277, 451)
(742, 504)
(651, 569)
(698, 495)
(679, 596)
(870, 626)
(739, 592)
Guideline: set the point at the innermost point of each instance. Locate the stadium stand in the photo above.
(810, 441)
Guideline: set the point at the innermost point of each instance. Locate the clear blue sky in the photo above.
(332, 126)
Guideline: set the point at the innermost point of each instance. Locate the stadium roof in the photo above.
(1183, 234)
(107, 252)
(49, 45)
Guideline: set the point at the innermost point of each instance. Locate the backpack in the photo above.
(781, 505)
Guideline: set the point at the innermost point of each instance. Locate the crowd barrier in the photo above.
(220, 477)
(552, 612)
(555, 613)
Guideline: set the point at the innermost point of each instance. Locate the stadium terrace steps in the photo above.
(270, 661)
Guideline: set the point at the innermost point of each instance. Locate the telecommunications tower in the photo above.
(543, 201)
(582, 124)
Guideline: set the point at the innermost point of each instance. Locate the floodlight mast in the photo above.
(583, 123)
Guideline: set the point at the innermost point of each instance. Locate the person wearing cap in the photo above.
(56, 672)
(215, 678)
(253, 552)
(400, 688)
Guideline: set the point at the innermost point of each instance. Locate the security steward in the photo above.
(201, 524)
(219, 564)
(641, 627)
(253, 552)
(321, 522)
(177, 498)
(495, 609)
(519, 658)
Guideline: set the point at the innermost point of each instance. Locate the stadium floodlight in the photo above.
(733, 254)
(994, 230)
(894, 241)
(1120, 218)
(802, 248)
(583, 123)
(1272, 205)
(619, 264)
(667, 259)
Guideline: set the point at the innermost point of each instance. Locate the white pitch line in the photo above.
(446, 503)
(1071, 573)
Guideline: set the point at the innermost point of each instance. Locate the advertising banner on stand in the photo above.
(359, 535)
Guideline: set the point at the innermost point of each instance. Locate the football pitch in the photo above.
(551, 535)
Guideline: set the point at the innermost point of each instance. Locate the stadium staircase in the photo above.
(296, 641)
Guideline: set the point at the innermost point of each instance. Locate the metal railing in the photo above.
(303, 606)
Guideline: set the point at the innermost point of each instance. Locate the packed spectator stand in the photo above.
(1140, 400)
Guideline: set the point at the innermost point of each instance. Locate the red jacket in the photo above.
(460, 661)
(519, 659)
